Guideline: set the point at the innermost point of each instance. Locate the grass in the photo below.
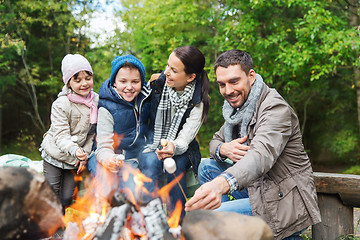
(30, 151)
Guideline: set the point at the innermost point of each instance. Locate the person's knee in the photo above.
(150, 165)
(204, 163)
(203, 169)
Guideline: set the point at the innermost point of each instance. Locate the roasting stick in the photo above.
(170, 167)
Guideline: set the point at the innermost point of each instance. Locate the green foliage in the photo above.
(344, 142)
(26, 144)
(305, 49)
(35, 36)
(353, 170)
(154, 30)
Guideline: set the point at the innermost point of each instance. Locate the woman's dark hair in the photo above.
(194, 62)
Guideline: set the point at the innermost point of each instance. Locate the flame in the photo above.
(117, 139)
(173, 221)
(95, 202)
(164, 192)
(90, 205)
(103, 214)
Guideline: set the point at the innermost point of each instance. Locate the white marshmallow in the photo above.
(169, 165)
(120, 157)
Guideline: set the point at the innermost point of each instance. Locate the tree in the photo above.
(352, 7)
(37, 35)
(305, 49)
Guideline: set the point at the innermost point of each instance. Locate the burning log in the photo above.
(130, 211)
(29, 208)
(211, 225)
(155, 220)
(114, 223)
(150, 223)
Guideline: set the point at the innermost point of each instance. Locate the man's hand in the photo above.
(209, 195)
(166, 152)
(234, 150)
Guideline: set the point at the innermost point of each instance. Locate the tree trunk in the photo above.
(31, 90)
(357, 84)
(354, 20)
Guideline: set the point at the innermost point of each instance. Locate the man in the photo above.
(257, 156)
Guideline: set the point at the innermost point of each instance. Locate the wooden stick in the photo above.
(182, 190)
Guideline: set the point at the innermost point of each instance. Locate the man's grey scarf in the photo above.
(242, 116)
(165, 127)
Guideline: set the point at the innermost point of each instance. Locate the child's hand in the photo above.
(82, 166)
(81, 154)
(82, 158)
(166, 152)
(113, 164)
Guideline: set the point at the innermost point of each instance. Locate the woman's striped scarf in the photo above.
(165, 127)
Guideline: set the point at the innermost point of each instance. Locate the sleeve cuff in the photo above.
(231, 180)
(217, 154)
(73, 150)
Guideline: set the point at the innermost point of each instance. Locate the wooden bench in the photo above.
(338, 194)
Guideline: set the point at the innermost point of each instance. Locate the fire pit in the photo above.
(106, 211)
(29, 209)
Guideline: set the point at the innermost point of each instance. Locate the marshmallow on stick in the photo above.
(169, 165)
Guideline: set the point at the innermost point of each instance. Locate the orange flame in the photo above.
(165, 190)
(117, 139)
(100, 190)
(173, 221)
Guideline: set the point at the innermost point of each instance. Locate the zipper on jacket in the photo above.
(138, 117)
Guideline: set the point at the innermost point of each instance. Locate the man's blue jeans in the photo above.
(152, 167)
(210, 169)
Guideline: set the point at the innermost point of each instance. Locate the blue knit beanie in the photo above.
(119, 61)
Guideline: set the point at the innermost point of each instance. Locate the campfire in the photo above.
(107, 211)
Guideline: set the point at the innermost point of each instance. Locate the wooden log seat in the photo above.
(338, 194)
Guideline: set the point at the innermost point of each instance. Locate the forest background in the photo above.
(308, 50)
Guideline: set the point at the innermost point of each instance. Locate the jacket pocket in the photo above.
(284, 205)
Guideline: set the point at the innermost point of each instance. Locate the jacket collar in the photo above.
(264, 92)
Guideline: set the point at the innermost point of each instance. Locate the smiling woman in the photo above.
(179, 105)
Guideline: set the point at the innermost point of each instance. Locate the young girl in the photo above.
(179, 105)
(68, 143)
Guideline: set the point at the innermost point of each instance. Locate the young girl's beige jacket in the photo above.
(68, 119)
